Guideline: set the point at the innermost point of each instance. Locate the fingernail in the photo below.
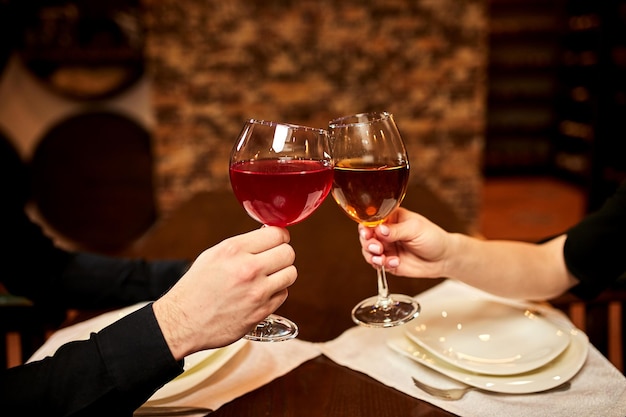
(362, 233)
(378, 260)
(373, 248)
(384, 230)
(393, 262)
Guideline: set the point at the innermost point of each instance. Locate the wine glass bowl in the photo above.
(370, 180)
(280, 173)
(369, 191)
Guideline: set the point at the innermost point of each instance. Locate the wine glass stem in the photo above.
(383, 288)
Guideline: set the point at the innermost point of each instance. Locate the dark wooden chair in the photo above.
(602, 319)
(29, 323)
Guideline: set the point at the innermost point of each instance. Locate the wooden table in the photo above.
(332, 278)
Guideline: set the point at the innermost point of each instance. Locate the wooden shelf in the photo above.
(557, 91)
(523, 83)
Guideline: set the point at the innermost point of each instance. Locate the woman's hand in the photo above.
(410, 245)
(407, 244)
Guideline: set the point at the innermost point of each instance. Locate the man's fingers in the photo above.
(260, 240)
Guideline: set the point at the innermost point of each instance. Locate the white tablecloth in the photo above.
(598, 389)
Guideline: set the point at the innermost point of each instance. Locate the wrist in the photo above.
(454, 254)
(171, 321)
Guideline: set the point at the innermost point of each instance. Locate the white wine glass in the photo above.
(280, 173)
(371, 173)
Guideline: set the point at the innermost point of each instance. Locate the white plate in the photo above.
(198, 367)
(549, 376)
(486, 336)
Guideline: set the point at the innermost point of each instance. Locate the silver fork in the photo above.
(453, 394)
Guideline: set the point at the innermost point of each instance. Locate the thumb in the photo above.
(402, 226)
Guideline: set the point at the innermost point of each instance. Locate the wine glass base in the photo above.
(376, 312)
(274, 328)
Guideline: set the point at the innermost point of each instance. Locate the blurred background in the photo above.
(484, 91)
(512, 110)
(181, 77)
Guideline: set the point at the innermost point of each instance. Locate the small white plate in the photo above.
(198, 367)
(549, 376)
(486, 336)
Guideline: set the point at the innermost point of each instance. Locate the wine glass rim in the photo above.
(370, 117)
(288, 125)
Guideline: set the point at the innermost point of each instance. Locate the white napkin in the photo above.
(254, 365)
(599, 389)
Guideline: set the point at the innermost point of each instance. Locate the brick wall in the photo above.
(214, 64)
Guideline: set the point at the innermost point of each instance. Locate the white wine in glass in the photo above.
(371, 176)
(280, 173)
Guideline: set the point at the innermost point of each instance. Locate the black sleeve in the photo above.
(33, 267)
(88, 281)
(595, 249)
(94, 281)
(111, 374)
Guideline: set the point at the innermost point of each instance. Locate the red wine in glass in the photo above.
(281, 192)
(280, 173)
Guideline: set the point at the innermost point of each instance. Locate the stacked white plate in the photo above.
(493, 346)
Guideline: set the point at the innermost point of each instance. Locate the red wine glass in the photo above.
(371, 175)
(280, 173)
